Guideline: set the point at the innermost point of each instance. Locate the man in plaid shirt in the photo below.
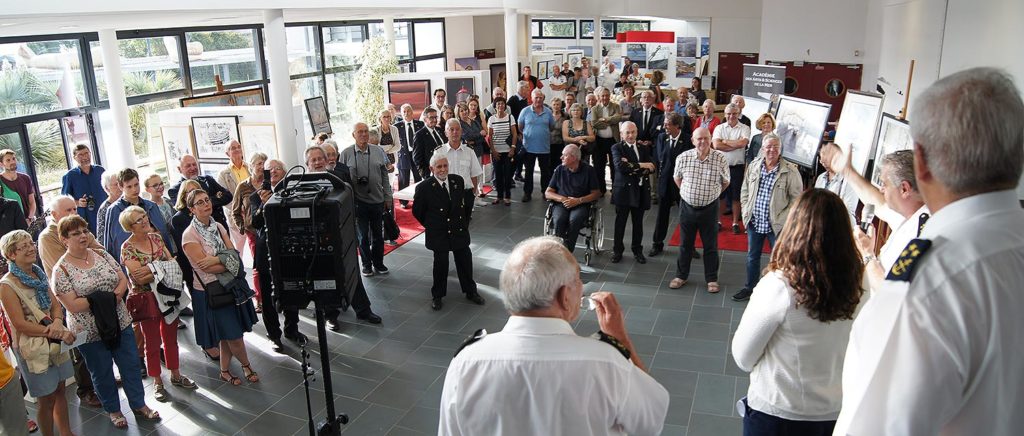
(701, 175)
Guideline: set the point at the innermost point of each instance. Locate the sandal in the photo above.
(259, 308)
(184, 383)
(117, 418)
(250, 375)
(713, 287)
(210, 356)
(147, 414)
(32, 426)
(235, 381)
(496, 201)
(508, 202)
(160, 394)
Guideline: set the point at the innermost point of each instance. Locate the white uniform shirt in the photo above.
(775, 341)
(728, 133)
(839, 187)
(557, 80)
(950, 359)
(903, 231)
(463, 161)
(537, 377)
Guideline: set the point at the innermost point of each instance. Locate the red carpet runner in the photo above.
(726, 239)
(409, 226)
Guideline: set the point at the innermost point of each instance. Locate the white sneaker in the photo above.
(481, 202)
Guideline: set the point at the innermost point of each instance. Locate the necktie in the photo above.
(444, 185)
(437, 139)
(646, 111)
(921, 219)
(408, 132)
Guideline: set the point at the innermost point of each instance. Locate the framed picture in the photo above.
(177, 143)
(413, 92)
(212, 135)
(857, 126)
(212, 167)
(893, 135)
(575, 59)
(705, 46)
(637, 53)
(686, 46)
(686, 68)
(318, 117)
(258, 137)
(658, 59)
(800, 124)
(754, 108)
(559, 59)
(499, 78)
(542, 70)
(467, 64)
(245, 97)
(458, 89)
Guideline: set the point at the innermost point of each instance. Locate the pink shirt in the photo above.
(191, 235)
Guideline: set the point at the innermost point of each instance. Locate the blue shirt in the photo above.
(574, 184)
(76, 184)
(536, 130)
(762, 203)
(115, 235)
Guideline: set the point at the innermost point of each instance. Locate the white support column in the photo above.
(597, 42)
(118, 150)
(511, 47)
(389, 34)
(289, 140)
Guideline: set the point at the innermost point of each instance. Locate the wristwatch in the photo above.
(869, 258)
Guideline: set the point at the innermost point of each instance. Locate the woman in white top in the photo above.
(502, 135)
(793, 334)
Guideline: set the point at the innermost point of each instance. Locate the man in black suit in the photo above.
(316, 162)
(438, 206)
(425, 141)
(673, 140)
(406, 134)
(648, 120)
(189, 169)
(631, 191)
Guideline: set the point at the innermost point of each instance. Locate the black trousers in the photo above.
(670, 199)
(545, 171)
(370, 233)
(360, 302)
(468, 203)
(601, 159)
(569, 222)
(691, 222)
(757, 423)
(463, 267)
(637, 240)
(270, 317)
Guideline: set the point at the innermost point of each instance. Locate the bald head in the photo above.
(188, 167)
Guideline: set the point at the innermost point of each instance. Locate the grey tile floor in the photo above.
(388, 378)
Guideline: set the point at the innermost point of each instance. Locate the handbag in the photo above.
(142, 306)
(217, 296)
(391, 230)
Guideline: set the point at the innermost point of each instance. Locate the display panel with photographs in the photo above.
(499, 78)
(258, 138)
(857, 126)
(800, 125)
(212, 135)
(542, 70)
(177, 143)
(575, 59)
(893, 135)
(415, 93)
(319, 120)
(458, 89)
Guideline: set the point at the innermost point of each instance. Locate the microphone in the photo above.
(867, 214)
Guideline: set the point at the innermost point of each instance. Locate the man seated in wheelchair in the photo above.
(573, 189)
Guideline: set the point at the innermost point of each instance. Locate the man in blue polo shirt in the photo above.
(573, 187)
(128, 180)
(85, 185)
(536, 123)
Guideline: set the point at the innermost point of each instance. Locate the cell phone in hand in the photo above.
(266, 180)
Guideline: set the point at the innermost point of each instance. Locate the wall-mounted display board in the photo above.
(893, 135)
(857, 126)
(800, 125)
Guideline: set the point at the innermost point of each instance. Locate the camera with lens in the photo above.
(362, 180)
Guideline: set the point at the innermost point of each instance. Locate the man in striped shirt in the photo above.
(701, 175)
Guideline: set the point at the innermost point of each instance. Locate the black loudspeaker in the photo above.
(311, 238)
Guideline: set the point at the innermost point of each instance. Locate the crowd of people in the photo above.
(117, 263)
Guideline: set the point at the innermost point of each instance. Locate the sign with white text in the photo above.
(763, 81)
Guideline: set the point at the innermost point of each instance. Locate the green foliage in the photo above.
(368, 93)
(142, 47)
(22, 93)
(222, 40)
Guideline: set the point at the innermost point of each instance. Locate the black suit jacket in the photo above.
(630, 187)
(423, 147)
(219, 195)
(654, 124)
(442, 217)
(406, 143)
(665, 160)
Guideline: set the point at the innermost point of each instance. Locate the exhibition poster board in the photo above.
(763, 81)
(857, 126)
(800, 126)
(893, 135)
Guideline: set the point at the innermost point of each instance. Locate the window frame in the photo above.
(576, 28)
(615, 26)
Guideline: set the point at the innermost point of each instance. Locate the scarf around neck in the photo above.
(40, 286)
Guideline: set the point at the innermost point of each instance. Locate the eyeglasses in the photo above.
(201, 202)
(158, 185)
(76, 233)
(140, 220)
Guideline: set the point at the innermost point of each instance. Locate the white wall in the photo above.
(819, 31)
(489, 32)
(733, 35)
(458, 38)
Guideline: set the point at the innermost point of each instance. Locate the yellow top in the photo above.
(6, 370)
(241, 172)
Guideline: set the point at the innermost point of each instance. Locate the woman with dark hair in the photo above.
(696, 90)
(793, 334)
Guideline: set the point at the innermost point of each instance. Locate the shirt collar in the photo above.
(955, 214)
(532, 325)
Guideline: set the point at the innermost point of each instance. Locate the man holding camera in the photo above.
(367, 165)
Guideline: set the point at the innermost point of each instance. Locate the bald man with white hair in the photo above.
(536, 123)
(537, 368)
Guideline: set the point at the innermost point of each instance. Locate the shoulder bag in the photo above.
(217, 296)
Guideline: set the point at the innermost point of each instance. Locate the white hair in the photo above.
(452, 122)
(534, 272)
(52, 204)
(573, 150)
(110, 178)
(968, 128)
(523, 84)
(436, 157)
(600, 89)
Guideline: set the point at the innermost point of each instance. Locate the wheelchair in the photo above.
(592, 231)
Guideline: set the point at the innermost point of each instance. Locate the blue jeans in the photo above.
(100, 361)
(569, 222)
(755, 242)
(757, 423)
(370, 230)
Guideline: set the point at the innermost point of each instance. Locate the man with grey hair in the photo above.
(573, 188)
(113, 194)
(740, 103)
(368, 167)
(942, 353)
(605, 117)
(731, 138)
(495, 93)
(536, 124)
(462, 161)
(528, 366)
(438, 206)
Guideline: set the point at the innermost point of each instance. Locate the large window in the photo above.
(231, 54)
(553, 29)
(611, 27)
(149, 65)
(39, 77)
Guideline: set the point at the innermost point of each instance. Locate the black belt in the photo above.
(698, 207)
